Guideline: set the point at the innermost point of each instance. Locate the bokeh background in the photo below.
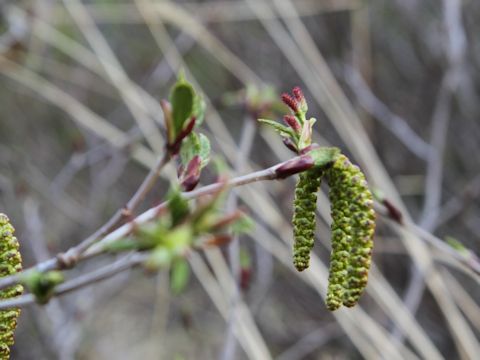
(394, 84)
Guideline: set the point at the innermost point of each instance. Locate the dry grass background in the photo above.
(395, 84)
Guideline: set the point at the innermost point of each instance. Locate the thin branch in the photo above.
(152, 213)
(125, 263)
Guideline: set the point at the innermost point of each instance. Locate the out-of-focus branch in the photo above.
(392, 122)
(125, 263)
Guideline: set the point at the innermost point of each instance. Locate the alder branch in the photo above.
(107, 235)
(97, 248)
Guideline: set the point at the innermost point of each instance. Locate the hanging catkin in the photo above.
(10, 263)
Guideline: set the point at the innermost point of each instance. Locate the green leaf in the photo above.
(180, 274)
(195, 144)
(281, 129)
(179, 239)
(42, 285)
(204, 150)
(182, 99)
(178, 206)
(151, 234)
(159, 257)
(306, 135)
(199, 108)
(324, 155)
(190, 147)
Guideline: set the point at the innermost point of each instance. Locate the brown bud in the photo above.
(290, 144)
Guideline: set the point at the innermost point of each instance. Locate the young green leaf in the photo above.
(195, 144)
(178, 206)
(42, 285)
(281, 129)
(323, 156)
(204, 150)
(199, 108)
(190, 147)
(182, 100)
(180, 274)
(178, 240)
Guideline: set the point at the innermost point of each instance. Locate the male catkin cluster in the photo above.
(303, 221)
(10, 262)
(353, 226)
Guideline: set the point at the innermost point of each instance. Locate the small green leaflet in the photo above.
(180, 274)
(281, 129)
(178, 206)
(195, 145)
(182, 98)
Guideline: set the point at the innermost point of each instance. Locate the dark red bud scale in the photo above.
(295, 166)
(191, 174)
(290, 144)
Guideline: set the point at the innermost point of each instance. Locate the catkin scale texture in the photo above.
(304, 223)
(10, 263)
(353, 226)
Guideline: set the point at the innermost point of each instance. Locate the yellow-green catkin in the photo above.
(353, 225)
(303, 220)
(10, 263)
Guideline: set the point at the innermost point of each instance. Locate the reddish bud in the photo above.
(393, 212)
(190, 182)
(191, 175)
(290, 144)
(297, 92)
(295, 166)
(292, 121)
(290, 102)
